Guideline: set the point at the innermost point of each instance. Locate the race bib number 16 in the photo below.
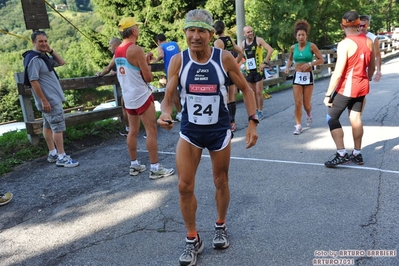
(302, 78)
(203, 110)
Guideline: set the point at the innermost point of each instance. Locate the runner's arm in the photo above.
(234, 73)
(167, 102)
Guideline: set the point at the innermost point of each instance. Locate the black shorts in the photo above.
(341, 102)
(254, 76)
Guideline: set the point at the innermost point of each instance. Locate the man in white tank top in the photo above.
(364, 25)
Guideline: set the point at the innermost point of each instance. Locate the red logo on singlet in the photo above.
(122, 70)
(203, 88)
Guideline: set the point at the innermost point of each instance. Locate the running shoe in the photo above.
(191, 250)
(309, 120)
(221, 239)
(52, 158)
(66, 162)
(136, 169)
(123, 133)
(298, 129)
(338, 159)
(266, 95)
(5, 198)
(358, 159)
(162, 172)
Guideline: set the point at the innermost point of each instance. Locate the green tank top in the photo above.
(303, 56)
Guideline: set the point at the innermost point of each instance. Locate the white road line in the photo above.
(294, 162)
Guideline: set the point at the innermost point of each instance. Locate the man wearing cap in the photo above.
(134, 73)
(202, 72)
(111, 69)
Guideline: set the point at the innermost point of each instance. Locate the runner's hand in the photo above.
(251, 135)
(327, 101)
(165, 121)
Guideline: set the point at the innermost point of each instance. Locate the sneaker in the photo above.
(191, 250)
(162, 172)
(123, 133)
(298, 129)
(178, 116)
(266, 95)
(358, 159)
(309, 120)
(221, 239)
(5, 198)
(136, 169)
(66, 162)
(338, 159)
(52, 158)
(260, 114)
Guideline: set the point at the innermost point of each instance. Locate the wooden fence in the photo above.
(34, 126)
(386, 48)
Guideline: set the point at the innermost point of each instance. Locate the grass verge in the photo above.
(16, 149)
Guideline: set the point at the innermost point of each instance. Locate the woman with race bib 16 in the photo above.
(302, 54)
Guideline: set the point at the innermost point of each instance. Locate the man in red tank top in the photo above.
(348, 86)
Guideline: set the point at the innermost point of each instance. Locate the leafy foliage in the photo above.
(83, 56)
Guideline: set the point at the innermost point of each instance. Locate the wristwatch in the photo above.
(254, 118)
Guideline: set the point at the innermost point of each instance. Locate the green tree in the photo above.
(275, 22)
(158, 16)
(384, 14)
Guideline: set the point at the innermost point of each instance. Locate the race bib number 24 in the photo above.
(203, 110)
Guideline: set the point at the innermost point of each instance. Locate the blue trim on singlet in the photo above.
(211, 72)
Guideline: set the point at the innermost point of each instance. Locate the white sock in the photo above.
(61, 156)
(53, 152)
(155, 166)
(342, 152)
(127, 129)
(135, 162)
(356, 152)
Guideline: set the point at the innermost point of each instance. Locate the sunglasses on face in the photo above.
(362, 26)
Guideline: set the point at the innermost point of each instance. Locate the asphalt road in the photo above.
(286, 207)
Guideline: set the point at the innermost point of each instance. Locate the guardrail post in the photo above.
(26, 106)
(118, 98)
